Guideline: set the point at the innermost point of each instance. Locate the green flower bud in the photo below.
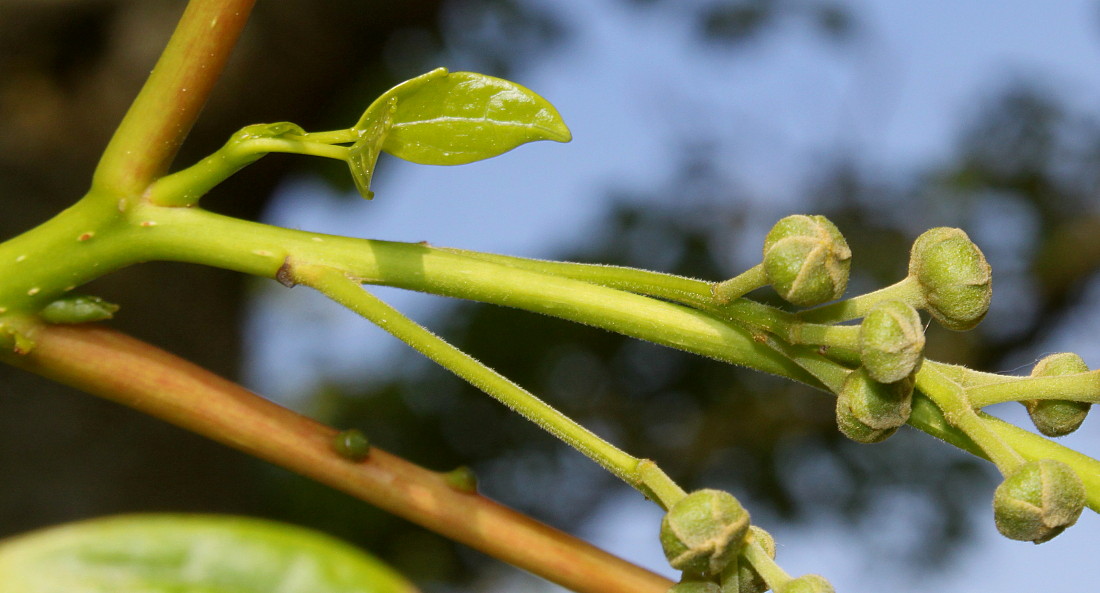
(859, 432)
(1054, 417)
(748, 580)
(695, 587)
(807, 583)
(1038, 500)
(891, 341)
(878, 405)
(954, 277)
(703, 531)
(806, 260)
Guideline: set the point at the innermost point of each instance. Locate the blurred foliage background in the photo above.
(1022, 178)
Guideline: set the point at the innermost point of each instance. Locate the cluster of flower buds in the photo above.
(806, 260)
(704, 533)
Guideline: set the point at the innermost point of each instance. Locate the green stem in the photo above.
(765, 565)
(199, 236)
(833, 336)
(655, 484)
(186, 187)
(677, 289)
(830, 373)
(337, 285)
(951, 398)
(332, 137)
(907, 290)
(146, 141)
(1082, 387)
(740, 285)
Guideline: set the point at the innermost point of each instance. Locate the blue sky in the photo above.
(630, 83)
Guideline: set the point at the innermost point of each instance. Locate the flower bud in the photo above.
(807, 583)
(703, 531)
(954, 277)
(1054, 417)
(878, 405)
(1038, 500)
(748, 580)
(891, 341)
(806, 260)
(859, 432)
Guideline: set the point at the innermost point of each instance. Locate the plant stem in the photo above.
(950, 397)
(338, 286)
(740, 285)
(764, 564)
(1082, 387)
(907, 290)
(199, 236)
(146, 141)
(122, 369)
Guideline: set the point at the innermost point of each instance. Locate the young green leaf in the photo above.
(173, 553)
(363, 155)
(459, 117)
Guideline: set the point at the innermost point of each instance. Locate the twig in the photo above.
(123, 369)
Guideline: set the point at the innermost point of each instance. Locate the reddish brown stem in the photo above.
(156, 124)
(120, 368)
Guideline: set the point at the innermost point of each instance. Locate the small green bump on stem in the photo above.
(1038, 501)
(1056, 417)
(78, 309)
(703, 531)
(17, 333)
(954, 277)
(807, 260)
(740, 285)
(351, 444)
(462, 479)
(891, 341)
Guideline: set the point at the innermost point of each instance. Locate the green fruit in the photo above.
(891, 341)
(1055, 417)
(806, 260)
(954, 277)
(703, 531)
(1038, 500)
